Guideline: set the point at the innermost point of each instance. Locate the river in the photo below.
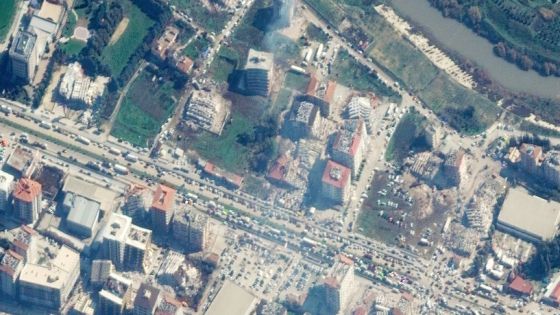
(457, 37)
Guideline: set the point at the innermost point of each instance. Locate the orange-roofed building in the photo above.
(185, 64)
(27, 196)
(520, 286)
(312, 86)
(162, 209)
(336, 182)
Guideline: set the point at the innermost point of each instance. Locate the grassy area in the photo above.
(7, 14)
(328, 9)
(116, 55)
(70, 25)
(211, 20)
(296, 81)
(315, 33)
(282, 102)
(538, 130)
(223, 64)
(196, 48)
(408, 135)
(146, 107)
(73, 47)
(225, 150)
(348, 71)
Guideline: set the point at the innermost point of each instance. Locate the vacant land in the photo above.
(72, 47)
(7, 14)
(223, 64)
(146, 107)
(208, 17)
(116, 55)
(315, 33)
(408, 135)
(328, 10)
(225, 150)
(348, 71)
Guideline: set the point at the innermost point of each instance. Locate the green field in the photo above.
(296, 81)
(315, 33)
(73, 47)
(196, 48)
(225, 150)
(223, 64)
(347, 71)
(116, 55)
(146, 106)
(328, 10)
(212, 21)
(70, 25)
(7, 14)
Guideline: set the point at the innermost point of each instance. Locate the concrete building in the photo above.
(259, 70)
(162, 209)
(116, 293)
(285, 172)
(137, 202)
(23, 56)
(361, 107)
(45, 23)
(530, 157)
(83, 215)
(50, 285)
(77, 186)
(222, 176)
(162, 45)
(25, 243)
(6, 184)
(136, 252)
(336, 182)
(115, 234)
(84, 306)
(455, 167)
(349, 145)
(191, 228)
(304, 120)
(27, 197)
(208, 111)
(10, 267)
(22, 162)
(551, 167)
(530, 218)
(77, 87)
(169, 306)
(100, 271)
(232, 299)
(147, 300)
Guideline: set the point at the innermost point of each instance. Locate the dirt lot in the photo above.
(119, 31)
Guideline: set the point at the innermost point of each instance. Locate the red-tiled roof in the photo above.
(332, 282)
(521, 286)
(312, 86)
(336, 174)
(329, 93)
(26, 190)
(345, 260)
(185, 64)
(556, 293)
(164, 197)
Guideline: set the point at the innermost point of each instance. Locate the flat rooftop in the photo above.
(259, 60)
(530, 214)
(91, 191)
(232, 299)
(56, 273)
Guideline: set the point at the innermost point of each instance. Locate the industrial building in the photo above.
(27, 197)
(232, 299)
(528, 217)
(115, 234)
(336, 182)
(259, 70)
(6, 184)
(207, 111)
(137, 248)
(77, 87)
(303, 121)
(349, 145)
(80, 187)
(10, 267)
(162, 209)
(49, 285)
(83, 215)
(191, 228)
(116, 293)
(45, 23)
(23, 56)
(147, 299)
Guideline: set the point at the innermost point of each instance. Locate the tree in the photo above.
(474, 15)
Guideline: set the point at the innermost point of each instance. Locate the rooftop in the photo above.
(116, 288)
(231, 178)
(117, 227)
(168, 306)
(23, 237)
(530, 214)
(348, 141)
(21, 158)
(259, 60)
(139, 237)
(23, 44)
(5, 180)
(55, 273)
(164, 198)
(521, 286)
(50, 178)
(9, 263)
(84, 212)
(232, 299)
(50, 11)
(146, 297)
(26, 190)
(534, 151)
(336, 174)
(305, 112)
(91, 191)
(100, 270)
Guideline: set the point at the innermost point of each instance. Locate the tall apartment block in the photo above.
(6, 183)
(191, 228)
(10, 267)
(258, 72)
(23, 56)
(114, 238)
(27, 200)
(162, 209)
(137, 247)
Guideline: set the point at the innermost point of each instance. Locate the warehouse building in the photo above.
(528, 217)
(83, 215)
(232, 299)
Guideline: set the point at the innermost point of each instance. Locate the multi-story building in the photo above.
(162, 209)
(114, 238)
(349, 145)
(169, 306)
(137, 248)
(137, 202)
(6, 183)
(147, 300)
(100, 271)
(49, 285)
(27, 200)
(25, 243)
(551, 167)
(10, 267)
(361, 108)
(116, 293)
(531, 157)
(258, 72)
(304, 120)
(336, 182)
(192, 228)
(24, 56)
(455, 167)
